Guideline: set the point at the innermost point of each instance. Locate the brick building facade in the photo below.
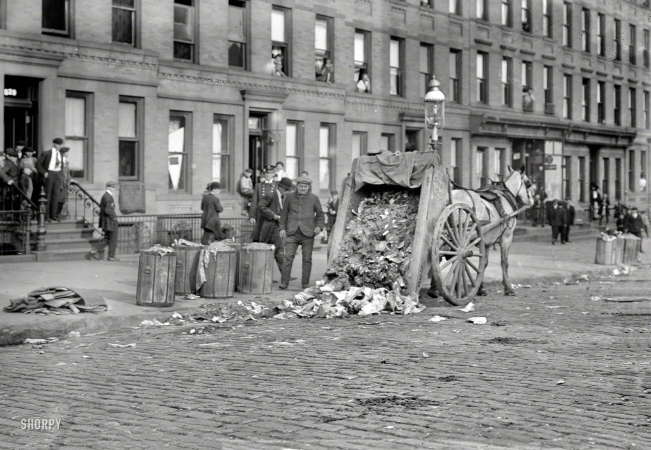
(176, 94)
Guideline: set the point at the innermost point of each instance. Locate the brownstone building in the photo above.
(175, 94)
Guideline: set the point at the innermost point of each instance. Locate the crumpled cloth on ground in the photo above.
(404, 169)
(57, 300)
(160, 249)
(204, 259)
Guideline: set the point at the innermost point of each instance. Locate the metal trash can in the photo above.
(631, 251)
(220, 271)
(187, 264)
(256, 268)
(156, 278)
(604, 253)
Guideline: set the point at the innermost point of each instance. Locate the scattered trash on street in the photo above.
(438, 318)
(469, 307)
(561, 381)
(627, 299)
(40, 341)
(152, 323)
(555, 306)
(177, 316)
(425, 355)
(595, 298)
(192, 296)
(219, 319)
(477, 320)
(74, 334)
(133, 344)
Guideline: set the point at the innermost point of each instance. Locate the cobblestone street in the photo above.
(555, 367)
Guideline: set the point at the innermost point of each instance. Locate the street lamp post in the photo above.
(434, 112)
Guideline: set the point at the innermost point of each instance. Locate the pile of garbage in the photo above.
(57, 300)
(610, 235)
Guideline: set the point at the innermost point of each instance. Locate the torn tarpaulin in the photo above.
(57, 300)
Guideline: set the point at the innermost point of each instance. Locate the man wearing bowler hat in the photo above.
(302, 219)
(266, 187)
(270, 207)
(108, 222)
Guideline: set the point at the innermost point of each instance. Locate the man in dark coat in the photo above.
(10, 174)
(108, 222)
(270, 207)
(49, 164)
(634, 224)
(302, 219)
(571, 215)
(211, 207)
(558, 221)
(262, 189)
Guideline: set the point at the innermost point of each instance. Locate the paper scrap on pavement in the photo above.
(555, 306)
(438, 318)
(627, 299)
(469, 307)
(477, 320)
(40, 341)
(133, 344)
(177, 316)
(154, 322)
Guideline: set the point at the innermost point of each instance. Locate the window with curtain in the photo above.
(618, 178)
(480, 10)
(506, 74)
(582, 180)
(643, 169)
(124, 21)
(617, 37)
(632, 106)
(601, 99)
(280, 53)
(632, 44)
(293, 148)
(585, 100)
(526, 15)
(601, 30)
(567, 25)
(567, 171)
(395, 69)
(454, 7)
(646, 38)
(78, 119)
(362, 58)
(480, 167)
(179, 143)
(548, 83)
(547, 18)
(585, 30)
(222, 144)
(326, 132)
(426, 67)
(647, 110)
(360, 140)
(455, 75)
(606, 177)
(455, 157)
(631, 171)
(184, 30)
(129, 142)
(506, 13)
(56, 17)
(498, 163)
(324, 58)
(237, 33)
(482, 59)
(567, 96)
(617, 104)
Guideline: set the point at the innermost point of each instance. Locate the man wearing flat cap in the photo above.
(10, 174)
(108, 222)
(262, 189)
(270, 207)
(211, 207)
(302, 219)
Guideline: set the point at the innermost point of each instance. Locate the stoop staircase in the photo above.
(67, 240)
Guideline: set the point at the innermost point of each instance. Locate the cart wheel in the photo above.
(458, 254)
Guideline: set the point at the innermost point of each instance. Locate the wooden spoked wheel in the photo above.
(458, 254)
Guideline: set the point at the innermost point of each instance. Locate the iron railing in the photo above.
(81, 205)
(15, 232)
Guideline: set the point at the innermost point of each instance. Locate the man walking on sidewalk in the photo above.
(558, 221)
(108, 222)
(302, 219)
(633, 224)
(571, 214)
(271, 207)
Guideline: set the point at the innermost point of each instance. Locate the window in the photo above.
(507, 87)
(617, 104)
(585, 30)
(454, 7)
(567, 25)
(567, 171)
(294, 148)
(647, 107)
(548, 83)
(237, 34)
(455, 157)
(601, 30)
(481, 10)
(130, 138)
(632, 106)
(601, 102)
(326, 150)
(56, 17)
(526, 15)
(480, 167)
(124, 21)
(426, 67)
(581, 180)
(631, 170)
(427, 3)
(567, 96)
(585, 100)
(606, 177)
(482, 94)
(632, 45)
(395, 63)
(498, 163)
(222, 147)
(280, 48)
(412, 140)
(507, 21)
(645, 48)
(184, 31)
(179, 138)
(323, 31)
(617, 31)
(643, 169)
(362, 58)
(79, 119)
(526, 73)
(388, 142)
(3, 14)
(618, 178)
(455, 75)
(547, 18)
(360, 144)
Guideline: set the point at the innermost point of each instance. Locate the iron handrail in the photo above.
(90, 197)
(88, 202)
(26, 198)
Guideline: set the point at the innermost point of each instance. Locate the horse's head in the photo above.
(519, 184)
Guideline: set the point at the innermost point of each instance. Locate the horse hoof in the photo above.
(433, 293)
(510, 293)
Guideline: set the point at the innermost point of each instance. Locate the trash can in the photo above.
(631, 251)
(618, 251)
(220, 270)
(156, 278)
(256, 268)
(237, 246)
(604, 254)
(187, 263)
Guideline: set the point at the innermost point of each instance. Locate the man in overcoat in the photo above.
(571, 215)
(271, 207)
(211, 207)
(265, 187)
(558, 221)
(108, 222)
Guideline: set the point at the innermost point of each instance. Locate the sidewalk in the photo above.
(529, 262)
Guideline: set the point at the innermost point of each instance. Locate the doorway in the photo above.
(21, 111)
(258, 148)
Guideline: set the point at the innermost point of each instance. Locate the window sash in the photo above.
(395, 71)
(325, 158)
(56, 17)
(506, 13)
(426, 65)
(127, 119)
(124, 24)
(632, 46)
(321, 43)
(278, 30)
(359, 144)
(77, 115)
(480, 9)
(585, 30)
(178, 149)
(222, 142)
(184, 23)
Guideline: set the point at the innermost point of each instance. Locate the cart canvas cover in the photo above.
(402, 169)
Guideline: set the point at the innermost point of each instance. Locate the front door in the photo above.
(21, 111)
(258, 150)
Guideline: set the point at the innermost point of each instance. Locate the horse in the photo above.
(518, 184)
